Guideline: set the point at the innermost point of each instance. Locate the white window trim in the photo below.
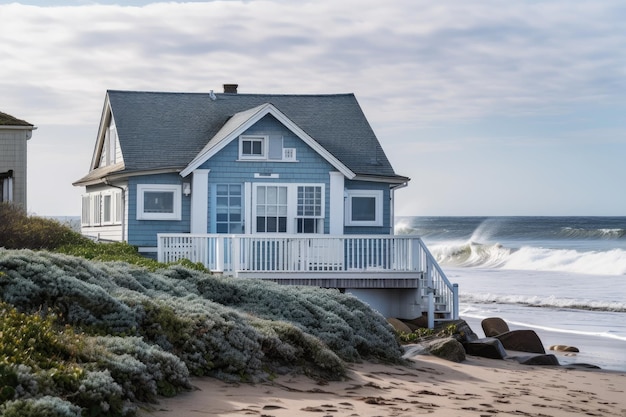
(176, 189)
(265, 144)
(111, 208)
(377, 194)
(92, 208)
(292, 203)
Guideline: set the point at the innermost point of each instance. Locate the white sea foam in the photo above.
(470, 254)
(546, 301)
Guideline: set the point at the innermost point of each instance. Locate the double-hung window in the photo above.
(364, 208)
(310, 211)
(271, 209)
(288, 208)
(159, 202)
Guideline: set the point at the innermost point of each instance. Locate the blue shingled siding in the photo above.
(310, 168)
(225, 168)
(143, 232)
(386, 228)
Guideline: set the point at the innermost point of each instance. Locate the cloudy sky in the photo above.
(492, 107)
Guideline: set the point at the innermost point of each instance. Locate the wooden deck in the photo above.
(356, 262)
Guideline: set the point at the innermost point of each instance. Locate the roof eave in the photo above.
(122, 175)
(396, 179)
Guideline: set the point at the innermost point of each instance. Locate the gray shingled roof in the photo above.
(8, 120)
(165, 130)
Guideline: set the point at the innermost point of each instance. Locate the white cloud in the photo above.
(429, 61)
(414, 65)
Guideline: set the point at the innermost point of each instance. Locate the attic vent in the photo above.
(230, 88)
(289, 154)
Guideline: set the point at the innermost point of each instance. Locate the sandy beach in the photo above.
(429, 385)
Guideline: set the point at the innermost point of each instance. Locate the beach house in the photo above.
(290, 188)
(14, 134)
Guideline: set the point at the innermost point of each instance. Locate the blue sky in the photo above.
(491, 107)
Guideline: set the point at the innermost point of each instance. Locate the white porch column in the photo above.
(336, 203)
(200, 201)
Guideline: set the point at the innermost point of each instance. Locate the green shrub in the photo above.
(47, 406)
(423, 334)
(32, 340)
(119, 252)
(20, 231)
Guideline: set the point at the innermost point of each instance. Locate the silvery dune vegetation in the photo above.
(90, 338)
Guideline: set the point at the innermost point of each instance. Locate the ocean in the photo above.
(564, 277)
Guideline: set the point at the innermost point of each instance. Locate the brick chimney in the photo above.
(230, 88)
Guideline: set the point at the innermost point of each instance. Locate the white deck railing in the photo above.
(263, 253)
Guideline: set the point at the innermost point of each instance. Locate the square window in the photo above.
(159, 202)
(364, 208)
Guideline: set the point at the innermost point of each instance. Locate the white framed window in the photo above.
(96, 209)
(310, 209)
(85, 218)
(101, 208)
(107, 208)
(364, 208)
(253, 147)
(288, 208)
(271, 209)
(159, 202)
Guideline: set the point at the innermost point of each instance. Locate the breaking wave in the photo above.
(580, 233)
(546, 302)
(471, 254)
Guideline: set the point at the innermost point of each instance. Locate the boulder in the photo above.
(494, 326)
(399, 325)
(418, 322)
(448, 348)
(522, 340)
(563, 348)
(489, 347)
(464, 332)
(544, 360)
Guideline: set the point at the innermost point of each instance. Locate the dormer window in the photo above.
(253, 147)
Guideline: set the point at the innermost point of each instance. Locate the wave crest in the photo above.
(578, 233)
(471, 254)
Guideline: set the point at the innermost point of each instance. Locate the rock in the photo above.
(489, 347)
(399, 325)
(449, 349)
(549, 360)
(494, 326)
(418, 322)
(522, 340)
(564, 348)
(464, 332)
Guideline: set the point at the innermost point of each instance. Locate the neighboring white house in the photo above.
(14, 134)
(304, 175)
